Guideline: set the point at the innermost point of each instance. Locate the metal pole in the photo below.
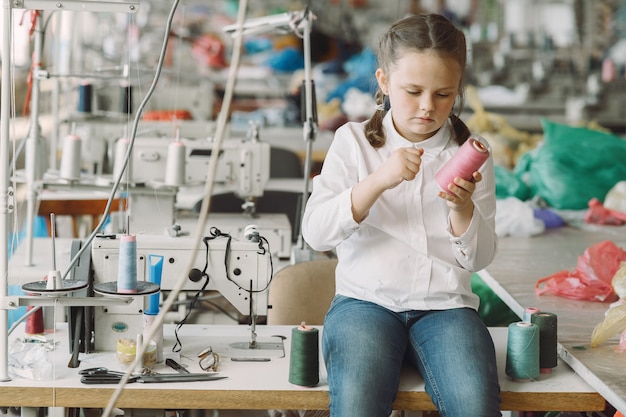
(5, 106)
(310, 127)
(33, 144)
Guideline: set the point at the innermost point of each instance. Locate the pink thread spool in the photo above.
(468, 159)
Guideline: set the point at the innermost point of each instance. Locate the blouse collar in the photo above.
(433, 145)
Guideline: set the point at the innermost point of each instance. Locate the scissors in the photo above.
(102, 375)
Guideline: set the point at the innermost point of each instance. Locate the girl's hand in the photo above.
(402, 165)
(460, 196)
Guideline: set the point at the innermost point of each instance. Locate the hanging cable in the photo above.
(208, 189)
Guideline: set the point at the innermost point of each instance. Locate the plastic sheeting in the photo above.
(573, 165)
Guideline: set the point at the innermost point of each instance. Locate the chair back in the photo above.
(302, 293)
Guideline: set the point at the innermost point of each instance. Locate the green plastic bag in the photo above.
(493, 311)
(573, 165)
(509, 185)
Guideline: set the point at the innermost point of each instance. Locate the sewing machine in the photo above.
(243, 165)
(243, 169)
(243, 282)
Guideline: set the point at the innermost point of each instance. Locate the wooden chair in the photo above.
(77, 209)
(299, 293)
(302, 293)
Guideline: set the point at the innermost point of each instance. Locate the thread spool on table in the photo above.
(522, 353)
(548, 355)
(304, 357)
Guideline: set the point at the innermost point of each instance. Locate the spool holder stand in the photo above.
(54, 290)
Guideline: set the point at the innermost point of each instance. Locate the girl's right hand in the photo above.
(402, 165)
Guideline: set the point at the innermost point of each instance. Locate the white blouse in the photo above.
(402, 255)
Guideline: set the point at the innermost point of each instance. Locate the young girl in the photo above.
(407, 248)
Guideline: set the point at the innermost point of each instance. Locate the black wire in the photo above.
(214, 234)
(178, 345)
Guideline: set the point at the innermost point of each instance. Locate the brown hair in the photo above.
(431, 32)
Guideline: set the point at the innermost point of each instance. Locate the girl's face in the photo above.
(422, 87)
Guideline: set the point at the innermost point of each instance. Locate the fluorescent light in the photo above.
(262, 24)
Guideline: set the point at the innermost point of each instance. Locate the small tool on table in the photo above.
(176, 366)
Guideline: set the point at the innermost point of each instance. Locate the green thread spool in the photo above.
(304, 357)
(547, 323)
(522, 351)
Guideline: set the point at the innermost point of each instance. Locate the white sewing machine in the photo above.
(243, 165)
(243, 169)
(243, 282)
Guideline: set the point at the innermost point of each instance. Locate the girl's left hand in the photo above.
(460, 196)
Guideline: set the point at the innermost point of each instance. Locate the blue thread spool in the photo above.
(522, 352)
(127, 266)
(85, 94)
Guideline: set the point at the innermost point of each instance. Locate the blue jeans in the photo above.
(365, 345)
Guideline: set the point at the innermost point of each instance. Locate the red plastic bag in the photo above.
(598, 214)
(591, 279)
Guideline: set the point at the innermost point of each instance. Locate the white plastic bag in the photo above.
(615, 199)
(516, 218)
(30, 359)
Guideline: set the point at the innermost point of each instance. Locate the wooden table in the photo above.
(520, 262)
(264, 385)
